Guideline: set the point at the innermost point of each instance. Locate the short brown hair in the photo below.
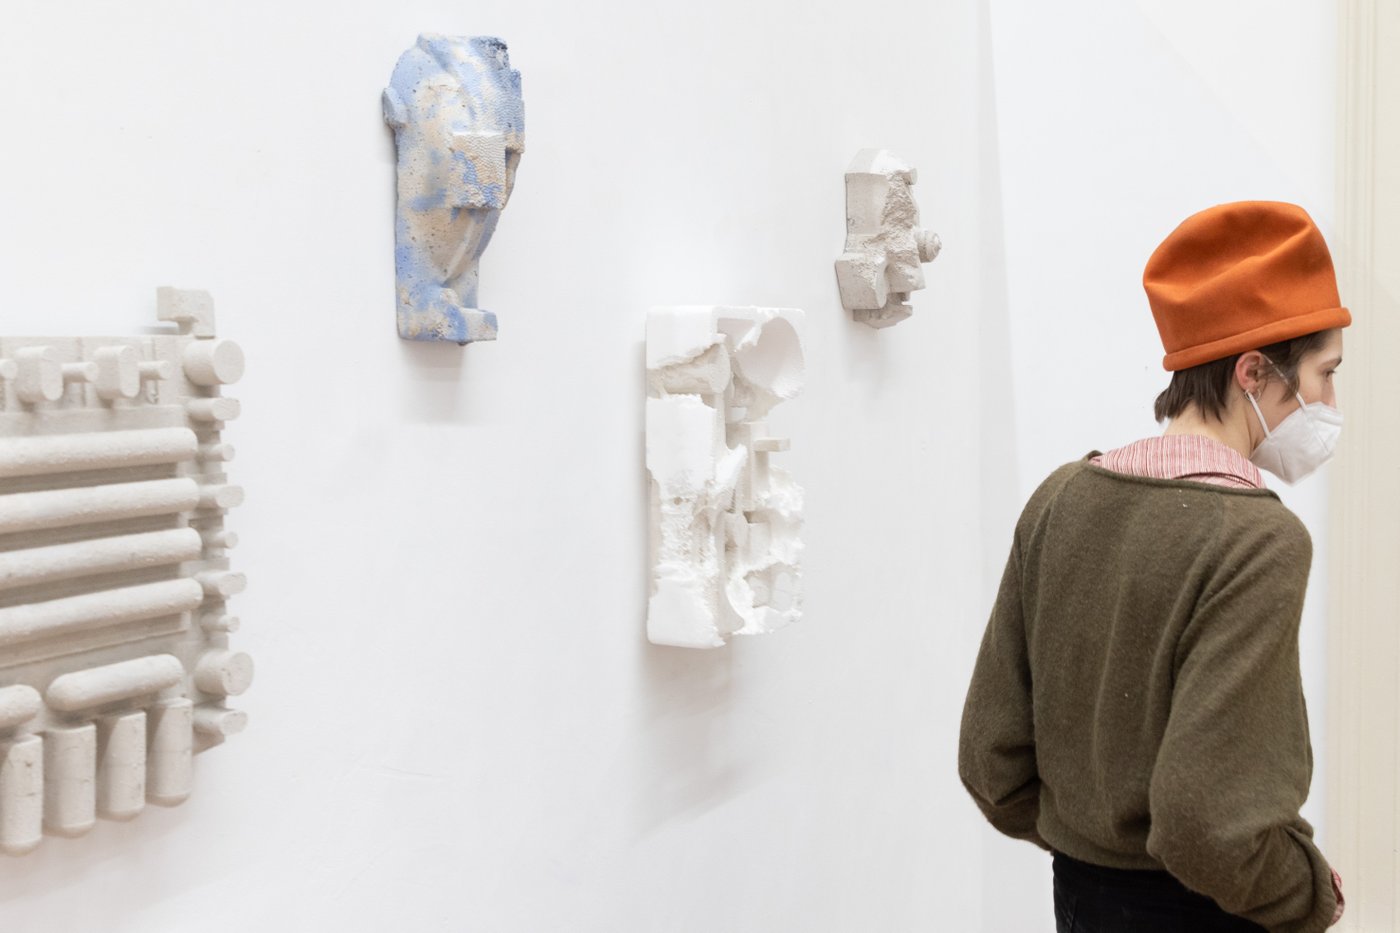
(1207, 386)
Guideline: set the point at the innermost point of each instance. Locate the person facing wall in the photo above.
(1136, 708)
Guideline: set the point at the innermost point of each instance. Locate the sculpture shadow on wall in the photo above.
(688, 761)
(119, 853)
(863, 355)
(435, 389)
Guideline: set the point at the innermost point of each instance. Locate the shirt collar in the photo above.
(1185, 456)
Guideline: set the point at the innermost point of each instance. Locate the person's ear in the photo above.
(1249, 372)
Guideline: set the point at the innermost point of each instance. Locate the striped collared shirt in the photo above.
(1183, 456)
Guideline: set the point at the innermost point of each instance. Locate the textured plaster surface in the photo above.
(459, 125)
(114, 570)
(726, 523)
(885, 246)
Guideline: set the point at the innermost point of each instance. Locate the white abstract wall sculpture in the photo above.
(726, 523)
(885, 246)
(459, 125)
(114, 575)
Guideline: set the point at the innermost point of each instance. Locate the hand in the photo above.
(1341, 901)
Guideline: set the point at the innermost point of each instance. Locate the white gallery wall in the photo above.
(457, 723)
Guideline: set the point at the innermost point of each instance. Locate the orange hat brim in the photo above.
(1273, 332)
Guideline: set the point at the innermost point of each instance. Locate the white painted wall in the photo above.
(457, 723)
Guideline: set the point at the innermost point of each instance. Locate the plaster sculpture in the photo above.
(114, 570)
(885, 246)
(459, 126)
(726, 524)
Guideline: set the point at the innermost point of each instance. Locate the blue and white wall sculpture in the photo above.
(459, 125)
(115, 665)
(726, 524)
(885, 246)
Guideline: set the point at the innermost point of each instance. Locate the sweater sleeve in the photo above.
(996, 749)
(1235, 763)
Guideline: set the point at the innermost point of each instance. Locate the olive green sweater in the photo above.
(1137, 702)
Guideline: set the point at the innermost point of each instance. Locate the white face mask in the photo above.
(1301, 443)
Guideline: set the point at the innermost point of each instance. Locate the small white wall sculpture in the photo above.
(459, 125)
(726, 524)
(114, 574)
(885, 246)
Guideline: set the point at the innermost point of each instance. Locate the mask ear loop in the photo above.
(1262, 423)
(1308, 418)
(1250, 395)
(1302, 406)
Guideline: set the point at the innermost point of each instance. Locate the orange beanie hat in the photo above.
(1240, 276)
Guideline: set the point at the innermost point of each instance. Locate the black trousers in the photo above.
(1095, 899)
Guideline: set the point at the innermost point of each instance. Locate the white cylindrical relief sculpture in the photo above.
(121, 765)
(459, 124)
(18, 704)
(726, 523)
(57, 619)
(114, 570)
(118, 373)
(21, 794)
(217, 723)
(213, 362)
(170, 737)
(885, 246)
(98, 556)
(223, 673)
(70, 780)
(60, 508)
(39, 375)
(107, 450)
